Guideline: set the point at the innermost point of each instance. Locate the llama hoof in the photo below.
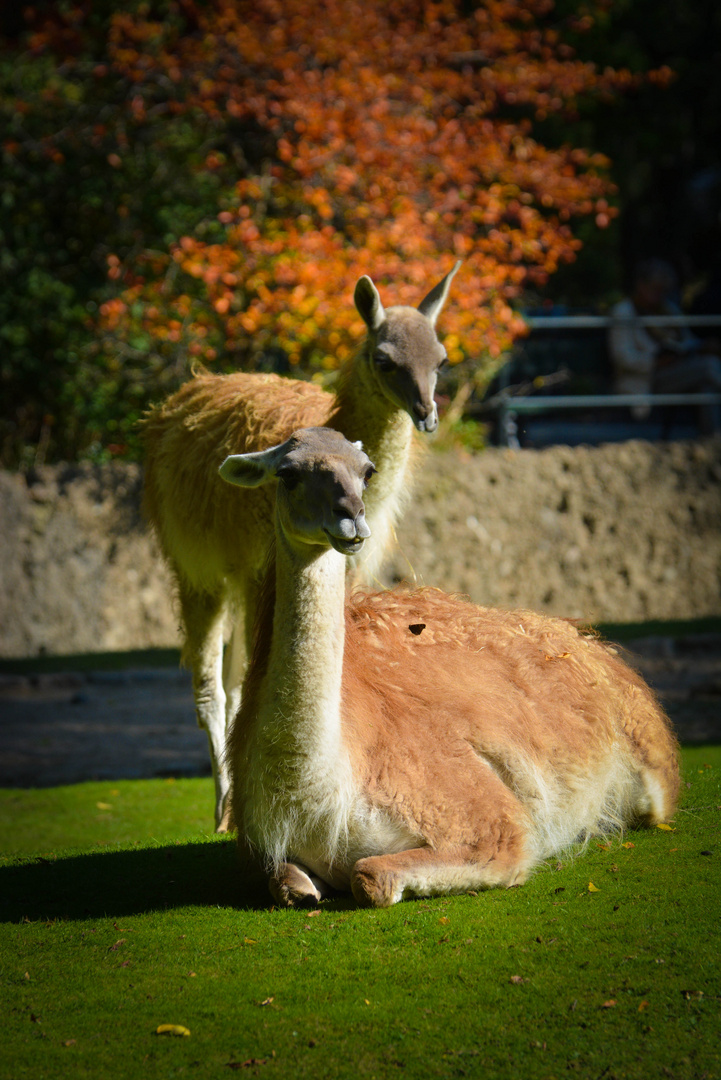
(226, 824)
(293, 888)
(371, 888)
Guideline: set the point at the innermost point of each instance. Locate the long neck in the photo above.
(364, 412)
(300, 701)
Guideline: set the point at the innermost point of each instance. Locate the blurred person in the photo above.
(661, 359)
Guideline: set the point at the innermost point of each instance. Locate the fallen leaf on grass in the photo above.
(171, 1029)
(444, 919)
(123, 929)
(609, 1004)
(69, 1042)
(517, 980)
(103, 806)
(312, 913)
(116, 946)
(628, 844)
(249, 941)
(268, 1001)
(592, 887)
(643, 1005)
(666, 828)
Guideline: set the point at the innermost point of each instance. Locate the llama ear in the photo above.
(369, 303)
(252, 470)
(432, 304)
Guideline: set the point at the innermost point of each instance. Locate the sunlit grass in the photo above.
(123, 916)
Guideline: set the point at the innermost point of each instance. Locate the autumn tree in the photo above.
(251, 160)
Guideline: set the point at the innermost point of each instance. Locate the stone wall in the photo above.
(617, 533)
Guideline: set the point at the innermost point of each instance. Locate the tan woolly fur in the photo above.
(411, 743)
(215, 541)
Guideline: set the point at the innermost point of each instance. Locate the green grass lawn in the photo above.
(121, 913)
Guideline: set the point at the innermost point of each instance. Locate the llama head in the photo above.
(403, 351)
(319, 499)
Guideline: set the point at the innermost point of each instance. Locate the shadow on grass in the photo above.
(121, 883)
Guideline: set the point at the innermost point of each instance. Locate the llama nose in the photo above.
(361, 528)
(352, 526)
(426, 416)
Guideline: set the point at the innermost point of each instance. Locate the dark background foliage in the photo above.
(94, 171)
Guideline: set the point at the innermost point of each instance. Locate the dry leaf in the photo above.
(249, 941)
(609, 1004)
(312, 913)
(116, 946)
(268, 1001)
(103, 806)
(628, 844)
(69, 1042)
(444, 919)
(592, 887)
(666, 828)
(642, 1006)
(517, 980)
(172, 1029)
(366, 1001)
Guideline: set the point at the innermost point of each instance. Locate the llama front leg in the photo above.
(295, 885)
(383, 880)
(203, 618)
(234, 663)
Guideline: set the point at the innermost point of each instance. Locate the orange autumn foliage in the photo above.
(397, 137)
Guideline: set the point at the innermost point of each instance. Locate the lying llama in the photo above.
(216, 543)
(410, 743)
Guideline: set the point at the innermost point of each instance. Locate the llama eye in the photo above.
(383, 362)
(289, 479)
(369, 472)
(443, 363)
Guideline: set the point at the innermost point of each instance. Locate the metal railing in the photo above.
(508, 406)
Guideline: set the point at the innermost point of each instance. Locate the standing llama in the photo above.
(411, 743)
(216, 543)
